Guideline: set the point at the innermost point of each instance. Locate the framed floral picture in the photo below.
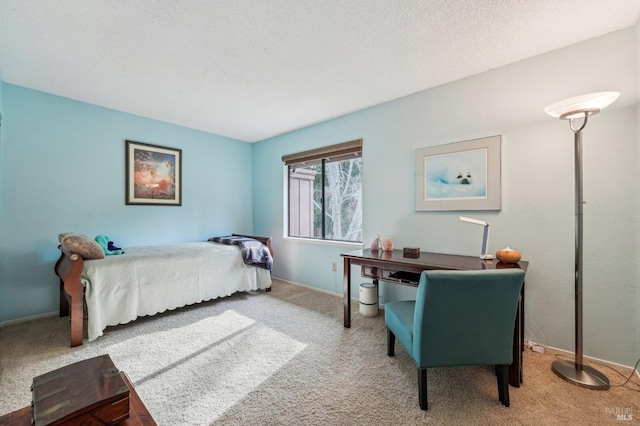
(153, 174)
(459, 176)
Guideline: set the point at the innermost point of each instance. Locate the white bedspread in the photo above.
(153, 279)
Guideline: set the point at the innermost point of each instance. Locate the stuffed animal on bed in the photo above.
(108, 246)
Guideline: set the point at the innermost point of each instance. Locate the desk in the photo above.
(385, 265)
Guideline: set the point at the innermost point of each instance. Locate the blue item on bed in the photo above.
(254, 253)
(107, 245)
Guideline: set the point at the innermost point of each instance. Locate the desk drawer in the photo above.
(371, 272)
(401, 277)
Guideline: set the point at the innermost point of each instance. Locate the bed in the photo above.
(153, 279)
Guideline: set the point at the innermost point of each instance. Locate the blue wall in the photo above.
(62, 165)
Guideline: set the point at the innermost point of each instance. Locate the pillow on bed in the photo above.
(86, 247)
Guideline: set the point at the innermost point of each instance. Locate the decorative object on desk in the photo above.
(411, 252)
(508, 255)
(378, 243)
(580, 108)
(374, 245)
(388, 245)
(459, 176)
(485, 236)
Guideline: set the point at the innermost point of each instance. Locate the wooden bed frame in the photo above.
(69, 268)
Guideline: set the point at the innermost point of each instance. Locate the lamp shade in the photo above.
(476, 221)
(593, 102)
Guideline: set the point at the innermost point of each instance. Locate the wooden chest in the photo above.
(89, 392)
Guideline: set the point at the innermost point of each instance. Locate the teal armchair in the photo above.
(458, 318)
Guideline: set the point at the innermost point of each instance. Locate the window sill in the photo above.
(345, 244)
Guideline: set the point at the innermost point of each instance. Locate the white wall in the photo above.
(537, 214)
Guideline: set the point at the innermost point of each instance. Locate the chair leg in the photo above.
(422, 388)
(391, 342)
(502, 372)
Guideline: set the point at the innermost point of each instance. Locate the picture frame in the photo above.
(153, 174)
(459, 176)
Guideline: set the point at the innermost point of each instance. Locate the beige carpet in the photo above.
(283, 358)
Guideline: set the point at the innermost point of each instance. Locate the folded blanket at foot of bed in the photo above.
(254, 253)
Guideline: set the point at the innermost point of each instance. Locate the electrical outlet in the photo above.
(537, 348)
(334, 266)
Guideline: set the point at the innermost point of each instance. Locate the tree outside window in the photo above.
(325, 198)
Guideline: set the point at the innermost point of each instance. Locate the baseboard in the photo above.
(354, 301)
(27, 319)
(587, 358)
(309, 287)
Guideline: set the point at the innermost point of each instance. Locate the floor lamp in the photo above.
(580, 108)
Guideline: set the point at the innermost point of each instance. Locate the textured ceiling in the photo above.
(252, 69)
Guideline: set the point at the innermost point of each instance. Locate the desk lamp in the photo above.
(485, 237)
(580, 108)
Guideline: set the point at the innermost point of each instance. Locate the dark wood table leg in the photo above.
(522, 317)
(347, 292)
(515, 369)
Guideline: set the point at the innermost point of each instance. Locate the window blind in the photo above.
(337, 152)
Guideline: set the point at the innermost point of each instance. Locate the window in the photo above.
(325, 192)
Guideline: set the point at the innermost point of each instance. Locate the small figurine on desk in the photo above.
(378, 244)
(375, 244)
(382, 244)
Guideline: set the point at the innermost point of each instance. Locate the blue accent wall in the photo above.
(63, 169)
